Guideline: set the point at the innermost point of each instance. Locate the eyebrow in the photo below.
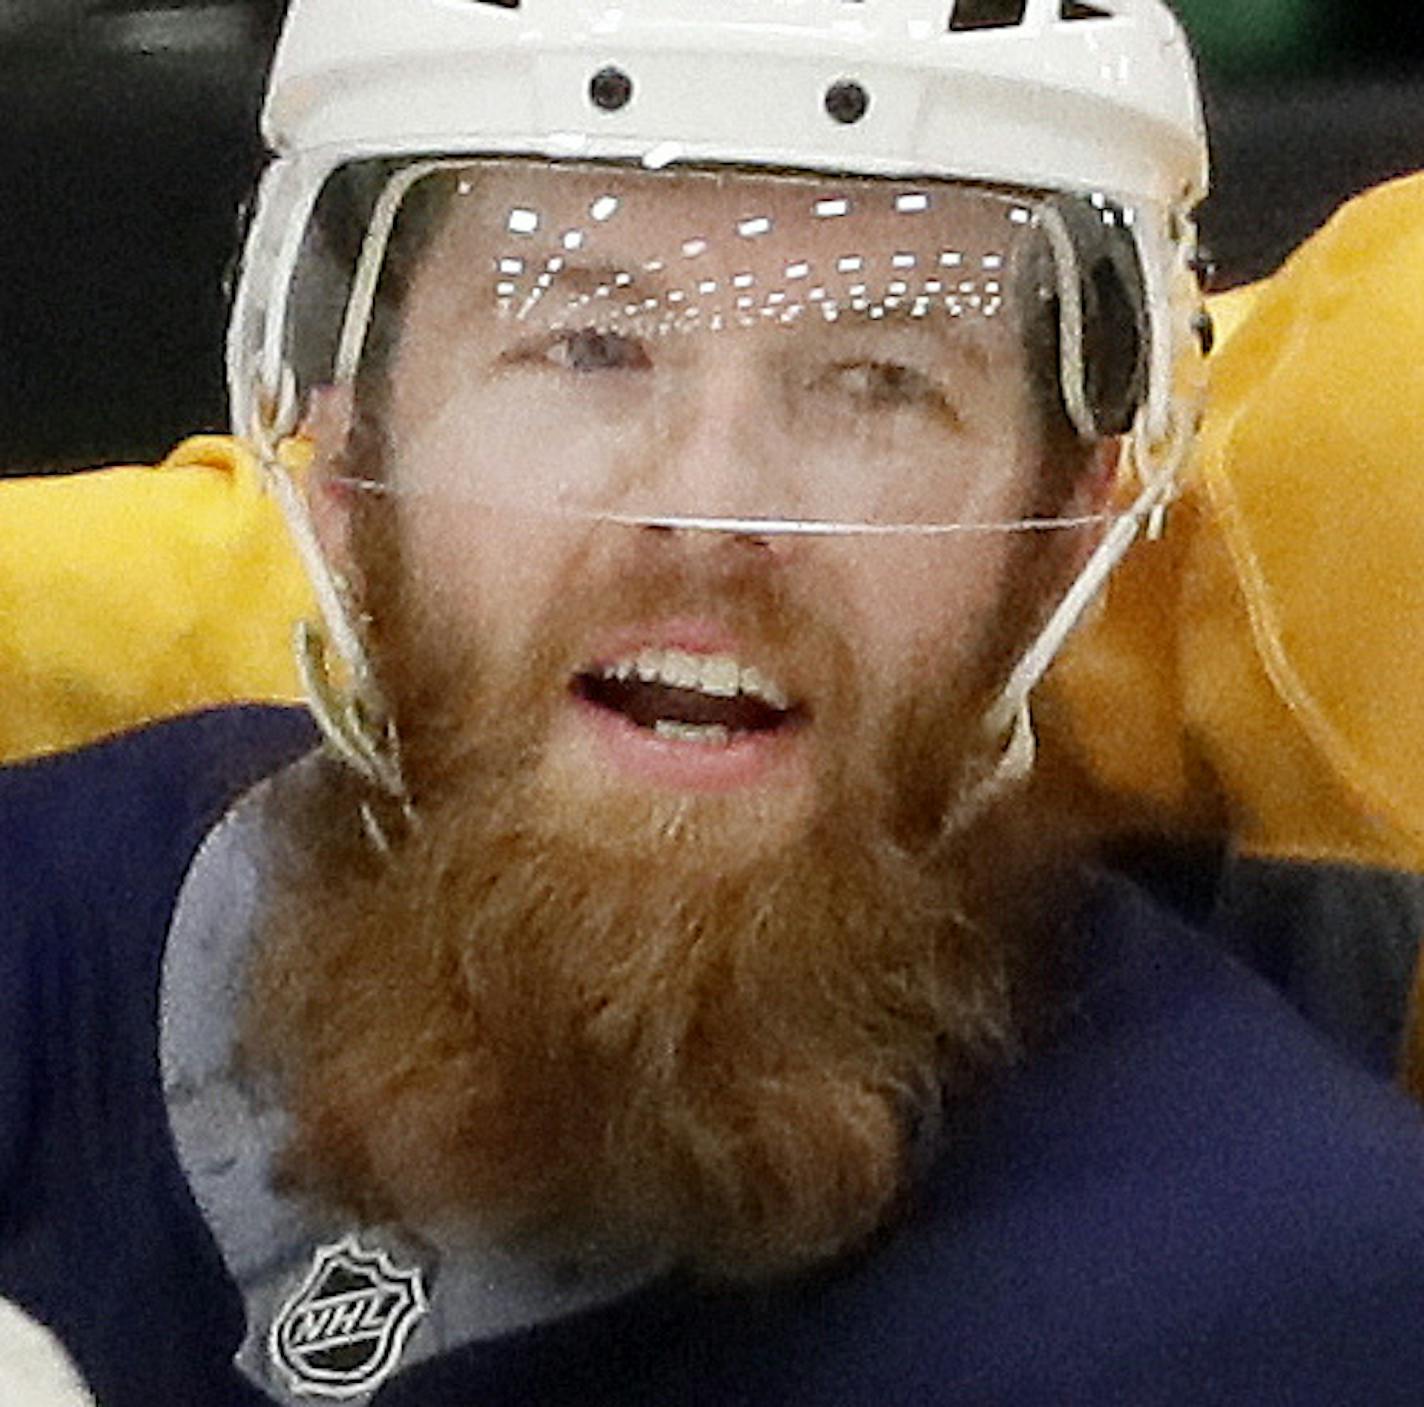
(964, 343)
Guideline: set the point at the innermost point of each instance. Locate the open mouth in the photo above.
(714, 700)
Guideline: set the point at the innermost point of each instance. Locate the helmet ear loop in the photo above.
(1072, 372)
(1161, 461)
(354, 722)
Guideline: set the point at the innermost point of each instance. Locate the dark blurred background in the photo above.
(128, 146)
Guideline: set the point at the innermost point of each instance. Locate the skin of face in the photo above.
(513, 400)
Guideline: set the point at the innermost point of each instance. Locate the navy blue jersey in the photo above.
(1188, 1198)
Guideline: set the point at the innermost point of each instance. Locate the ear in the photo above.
(1092, 496)
(327, 424)
(1096, 486)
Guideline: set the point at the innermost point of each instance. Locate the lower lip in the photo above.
(747, 760)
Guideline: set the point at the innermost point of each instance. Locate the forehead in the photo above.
(532, 231)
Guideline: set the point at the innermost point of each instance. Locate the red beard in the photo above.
(605, 1033)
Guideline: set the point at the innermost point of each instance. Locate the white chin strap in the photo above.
(353, 720)
(1009, 719)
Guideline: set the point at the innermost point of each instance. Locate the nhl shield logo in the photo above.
(343, 1332)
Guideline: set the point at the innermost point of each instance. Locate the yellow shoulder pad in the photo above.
(1260, 669)
(136, 593)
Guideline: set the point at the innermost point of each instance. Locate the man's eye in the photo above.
(587, 349)
(882, 385)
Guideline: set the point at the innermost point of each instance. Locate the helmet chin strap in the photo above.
(352, 717)
(1009, 719)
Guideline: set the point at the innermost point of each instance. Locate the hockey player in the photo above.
(667, 985)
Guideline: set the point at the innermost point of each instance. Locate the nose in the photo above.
(719, 447)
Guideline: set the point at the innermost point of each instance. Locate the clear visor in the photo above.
(709, 348)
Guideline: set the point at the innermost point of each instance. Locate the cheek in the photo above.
(922, 606)
(476, 570)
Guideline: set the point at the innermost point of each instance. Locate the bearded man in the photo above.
(667, 984)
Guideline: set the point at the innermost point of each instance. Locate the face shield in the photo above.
(717, 348)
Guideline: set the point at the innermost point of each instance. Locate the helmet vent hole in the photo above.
(847, 101)
(500, 4)
(610, 89)
(987, 14)
(1077, 10)
(1205, 328)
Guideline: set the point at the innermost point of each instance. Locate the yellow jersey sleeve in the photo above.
(132, 594)
(1262, 668)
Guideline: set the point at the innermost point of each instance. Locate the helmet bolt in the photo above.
(610, 89)
(847, 101)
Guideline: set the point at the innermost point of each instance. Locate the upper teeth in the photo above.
(719, 675)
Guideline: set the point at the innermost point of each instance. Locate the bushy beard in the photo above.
(636, 1032)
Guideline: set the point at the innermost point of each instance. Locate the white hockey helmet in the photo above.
(1094, 99)
(1045, 94)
